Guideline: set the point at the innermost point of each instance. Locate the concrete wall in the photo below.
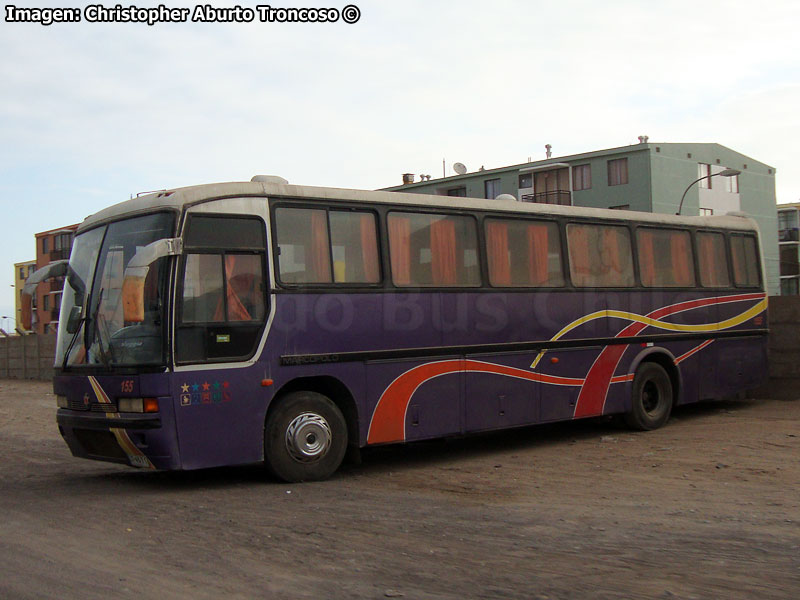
(784, 349)
(27, 357)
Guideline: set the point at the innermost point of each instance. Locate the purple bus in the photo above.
(243, 322)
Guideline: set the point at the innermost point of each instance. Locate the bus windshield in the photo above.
(91, 330)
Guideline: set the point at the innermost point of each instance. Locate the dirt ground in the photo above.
(707, 507)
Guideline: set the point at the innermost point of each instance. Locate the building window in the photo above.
(704, 170)
(62, 241)
(492, 188)
(706, 212)
(22, 272)
(526, 181)
(44, 245)
(46, 302)
(31, 269)
(789, 287)
(582, 177)
(618, 171)
(459, 192)
(732, 184)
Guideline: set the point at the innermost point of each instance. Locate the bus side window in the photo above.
(745, 260)
(665, 257)
(223, 303)
(600, 255)
(713, 260)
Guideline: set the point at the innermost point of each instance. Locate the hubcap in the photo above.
(650, 397)
(308, 437)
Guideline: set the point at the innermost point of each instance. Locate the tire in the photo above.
(305, 437)
(652, 397)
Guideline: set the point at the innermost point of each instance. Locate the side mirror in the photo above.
(74, 319)
(136, 273)
(54, 269)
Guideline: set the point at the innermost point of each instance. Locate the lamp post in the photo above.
(723, 173)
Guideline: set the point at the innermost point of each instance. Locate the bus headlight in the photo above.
(138, 405)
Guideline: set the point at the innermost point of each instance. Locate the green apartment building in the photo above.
(646, 176)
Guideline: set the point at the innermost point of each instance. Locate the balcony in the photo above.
(60, 254)
(788, 235)
(563, 197)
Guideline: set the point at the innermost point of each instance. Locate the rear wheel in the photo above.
(305, 437)
(651, 403)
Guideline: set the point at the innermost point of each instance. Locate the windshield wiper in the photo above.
(75, 335)
(94, 319)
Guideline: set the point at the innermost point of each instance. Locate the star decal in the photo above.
(185, 388)
(195, 388)
(206, 385)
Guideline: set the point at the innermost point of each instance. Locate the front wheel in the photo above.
(652, 398)
(305, 437)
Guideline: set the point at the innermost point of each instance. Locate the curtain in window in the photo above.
(579, 255)
(610, 254)
(737, 253)
(369, 249)
(497, 249)
(443, 252)
(400, 249)
(537, 254)
(681, 259)
(708, 271)
(236, 310)
(647, 264)
(320, 248)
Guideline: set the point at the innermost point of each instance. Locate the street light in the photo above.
(723, 173)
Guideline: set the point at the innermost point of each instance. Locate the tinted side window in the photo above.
(523, 253)
(321, 246)
(433, 250)
(713, 260)
(665, 258)
(223, 301)
(744, 253)
(600, 255)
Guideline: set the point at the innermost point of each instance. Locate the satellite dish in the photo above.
(506, 198)
(459, 168)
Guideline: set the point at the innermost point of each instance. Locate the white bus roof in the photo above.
(179, 198)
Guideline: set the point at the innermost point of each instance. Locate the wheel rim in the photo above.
(651, 397)
(308, 437)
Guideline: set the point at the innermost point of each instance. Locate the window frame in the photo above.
(584, 168)
(516, 218)
(751, 235)
(258, 326)
(327, 208)
(609, 168)
(628, 226)
(728, 259)
(474, 216)
(693, 263)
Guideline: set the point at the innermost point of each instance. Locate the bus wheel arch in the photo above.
(305, 437)
(328, 387)
(654, 391)
(666, 360)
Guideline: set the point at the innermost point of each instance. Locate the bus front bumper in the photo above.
(133, 439)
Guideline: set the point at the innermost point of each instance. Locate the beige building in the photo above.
(21, 272)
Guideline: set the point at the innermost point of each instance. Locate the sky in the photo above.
(93, 113)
